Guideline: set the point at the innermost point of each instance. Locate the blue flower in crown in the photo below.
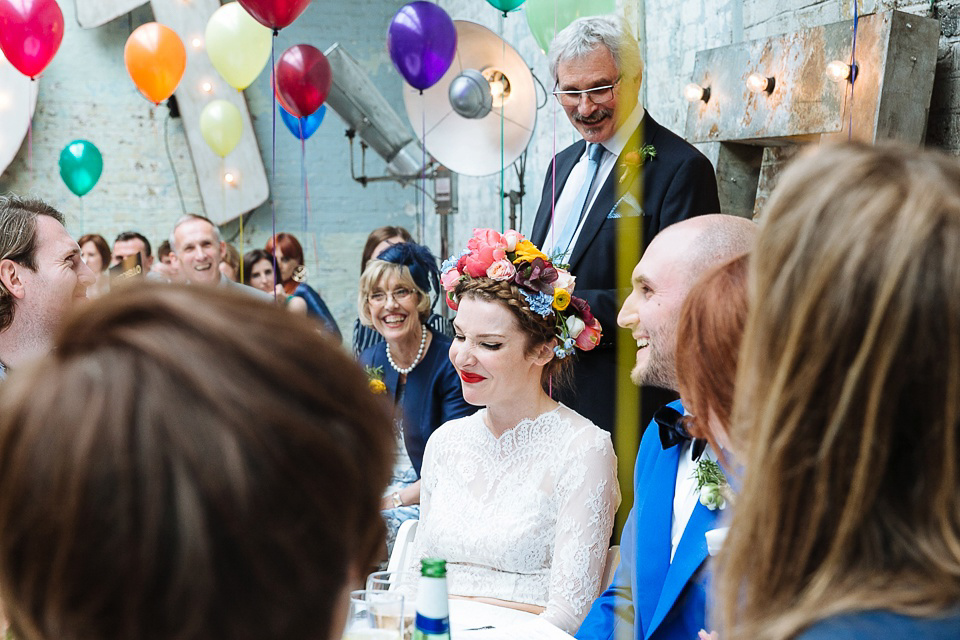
(451, 262)
(539, 302)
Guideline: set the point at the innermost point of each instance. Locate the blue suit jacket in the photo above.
(433, 394)
(651, 597)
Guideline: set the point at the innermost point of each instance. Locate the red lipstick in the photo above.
(471, 378)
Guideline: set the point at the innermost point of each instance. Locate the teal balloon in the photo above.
(80, 166)
(506, 5)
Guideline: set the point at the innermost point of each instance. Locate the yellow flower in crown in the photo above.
(528, 252)
(561, 299)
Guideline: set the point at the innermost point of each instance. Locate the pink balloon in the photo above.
(303, 78)
(30, 33)
(275, 14)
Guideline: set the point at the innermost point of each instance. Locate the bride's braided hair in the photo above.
(538, 329)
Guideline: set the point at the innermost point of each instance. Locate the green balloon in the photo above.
(80, 166)
(506, 5)
(547, 17)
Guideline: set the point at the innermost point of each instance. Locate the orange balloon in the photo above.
(155, 59)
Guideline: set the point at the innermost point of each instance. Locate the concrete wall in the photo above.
(87, 94)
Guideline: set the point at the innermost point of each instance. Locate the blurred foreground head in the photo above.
(848, 395)
(187, 464)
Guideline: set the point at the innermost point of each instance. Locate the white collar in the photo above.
(621, 136)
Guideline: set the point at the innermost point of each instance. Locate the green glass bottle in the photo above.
(433, 611)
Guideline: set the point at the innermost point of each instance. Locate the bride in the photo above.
(520, 497)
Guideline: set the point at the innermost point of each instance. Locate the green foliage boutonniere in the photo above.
(712, 484)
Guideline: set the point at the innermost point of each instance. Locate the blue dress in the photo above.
(317, 308)
(868, 625)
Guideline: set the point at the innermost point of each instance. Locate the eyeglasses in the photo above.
(597, 95)
(398, 295)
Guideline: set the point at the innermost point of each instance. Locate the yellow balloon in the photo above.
(238, 45)
(221, 126)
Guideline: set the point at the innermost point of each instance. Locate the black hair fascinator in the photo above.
(422, 264)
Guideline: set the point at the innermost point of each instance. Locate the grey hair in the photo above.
(187, 218)
(583, 35)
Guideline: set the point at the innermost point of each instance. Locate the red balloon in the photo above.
(303, 78)
(275, 14)
(30, 33)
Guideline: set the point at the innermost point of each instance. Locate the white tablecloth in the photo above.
(472, 620)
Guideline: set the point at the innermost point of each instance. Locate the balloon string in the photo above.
(422, 214)
(503, 168)
(242, 279)
(273, 171)
(305, 210)
(853, 67)
(30, 136)
(553, 168)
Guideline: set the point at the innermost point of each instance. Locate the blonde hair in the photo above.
(378, 271)
(848, 396)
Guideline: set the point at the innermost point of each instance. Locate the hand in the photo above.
(705, 635)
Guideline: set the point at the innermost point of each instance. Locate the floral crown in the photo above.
(547, 288)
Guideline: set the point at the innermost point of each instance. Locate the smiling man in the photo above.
(41, 278)
(628, 175)
(199, 249)
(658, 592)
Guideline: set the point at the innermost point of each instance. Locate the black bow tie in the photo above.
(674, 432)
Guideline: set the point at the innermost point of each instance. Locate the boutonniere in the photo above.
(375, 379)
(712, 484)
(631, 161)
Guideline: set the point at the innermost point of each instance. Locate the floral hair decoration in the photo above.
(547, 288)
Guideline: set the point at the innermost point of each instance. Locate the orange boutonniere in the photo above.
(631, 161)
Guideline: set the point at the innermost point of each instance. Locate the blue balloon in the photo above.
(309, 123)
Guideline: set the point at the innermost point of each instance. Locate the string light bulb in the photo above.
(196, 43)
(694, 93)
(206, 87)
(229, 178)
(758, 83)
(838, 71)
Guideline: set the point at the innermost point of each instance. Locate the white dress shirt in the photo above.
(562, 209)
(685, 495)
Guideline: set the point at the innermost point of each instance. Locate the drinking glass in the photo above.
(403, 582)
(374, 615)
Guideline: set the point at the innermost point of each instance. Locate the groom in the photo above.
(659, 590)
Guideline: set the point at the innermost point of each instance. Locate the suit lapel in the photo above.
(607, 196)
(563, 168)
(653, 535)
(691, 552)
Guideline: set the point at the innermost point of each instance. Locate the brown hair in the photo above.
(709, 331)
(377, 236)
(848, 396)
(18, 241)
(163, 475)
(101, 244)
(538, 329)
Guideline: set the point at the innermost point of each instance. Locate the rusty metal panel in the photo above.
(804, 102)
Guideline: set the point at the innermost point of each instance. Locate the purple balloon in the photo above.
(422, 41)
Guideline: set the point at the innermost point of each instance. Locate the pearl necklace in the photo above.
(416, 359)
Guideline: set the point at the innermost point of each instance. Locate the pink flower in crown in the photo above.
(501, 270)
(486, 247)
(450, 279)
(512, 239)
(565, 280)
(590, 336)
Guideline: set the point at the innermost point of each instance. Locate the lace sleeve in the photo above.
(587, 496)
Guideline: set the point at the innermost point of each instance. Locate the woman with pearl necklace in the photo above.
(411, 366)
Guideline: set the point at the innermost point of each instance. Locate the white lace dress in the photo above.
(525, 517)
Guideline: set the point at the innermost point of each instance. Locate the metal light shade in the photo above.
(356, 100)
(472, 145)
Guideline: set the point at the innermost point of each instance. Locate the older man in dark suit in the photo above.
(628, 175)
